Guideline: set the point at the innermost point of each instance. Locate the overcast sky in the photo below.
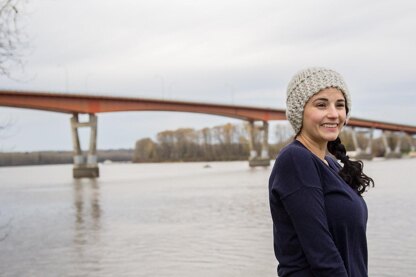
(229, 51)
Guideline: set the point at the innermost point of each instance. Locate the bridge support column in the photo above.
(360, 153)
(389, 154)
(387, 148)
(397, 149)
(264, 159)
(253, 152)
(412, 144)
(355, 141)
(265, 144)
(369, 149)
(85, 167)
(412, 152)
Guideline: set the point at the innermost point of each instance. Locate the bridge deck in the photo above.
(76, 103)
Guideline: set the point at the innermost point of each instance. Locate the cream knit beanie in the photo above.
(307, 83)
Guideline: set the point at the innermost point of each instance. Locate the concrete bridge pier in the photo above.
(84, 167)
(399, 143)
(355, 141)
(412, 152)
(389, 154)
(253, 152)
(412, 144)
(360, 153)
(369, 149)
(254, 159)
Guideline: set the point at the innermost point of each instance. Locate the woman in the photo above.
(319, 216)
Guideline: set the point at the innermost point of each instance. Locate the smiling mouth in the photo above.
(330, 125)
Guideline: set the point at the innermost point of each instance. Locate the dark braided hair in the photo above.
(352, 171)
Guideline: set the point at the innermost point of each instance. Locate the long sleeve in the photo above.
(307, 212)
(296, 186)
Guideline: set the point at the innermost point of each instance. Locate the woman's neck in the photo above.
(318, 149)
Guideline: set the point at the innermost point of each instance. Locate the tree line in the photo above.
(231, 142)
(221, 143)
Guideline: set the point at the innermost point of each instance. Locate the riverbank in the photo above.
(60, 157)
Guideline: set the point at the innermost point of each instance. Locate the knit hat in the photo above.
(305, 84)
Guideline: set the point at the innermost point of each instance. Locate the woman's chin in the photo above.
(331, 137)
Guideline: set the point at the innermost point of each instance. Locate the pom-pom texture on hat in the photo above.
(307, 83)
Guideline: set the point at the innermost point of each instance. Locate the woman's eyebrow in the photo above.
(321, 99)
(326, 99)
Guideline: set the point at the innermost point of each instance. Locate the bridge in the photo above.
(75, 104)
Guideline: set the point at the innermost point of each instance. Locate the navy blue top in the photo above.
(319, 221)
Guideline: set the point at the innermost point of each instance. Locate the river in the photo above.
(176, 219)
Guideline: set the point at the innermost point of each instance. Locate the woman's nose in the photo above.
(332, 111)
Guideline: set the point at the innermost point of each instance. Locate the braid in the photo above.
(352, 171)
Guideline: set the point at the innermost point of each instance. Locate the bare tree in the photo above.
(10, 38)
(283, 132)
(10, 41)
(145, 150)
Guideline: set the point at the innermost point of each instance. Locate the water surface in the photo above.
(176, 219)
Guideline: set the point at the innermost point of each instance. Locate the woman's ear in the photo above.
(346, 120)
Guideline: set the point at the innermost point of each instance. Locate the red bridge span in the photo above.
(75, 104)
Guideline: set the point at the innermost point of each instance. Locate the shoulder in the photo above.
(295, 153)
(295, 168)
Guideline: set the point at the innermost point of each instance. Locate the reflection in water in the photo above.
(87, 213)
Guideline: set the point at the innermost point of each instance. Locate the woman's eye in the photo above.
(321, 105)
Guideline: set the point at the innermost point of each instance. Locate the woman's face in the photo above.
(324, 116)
